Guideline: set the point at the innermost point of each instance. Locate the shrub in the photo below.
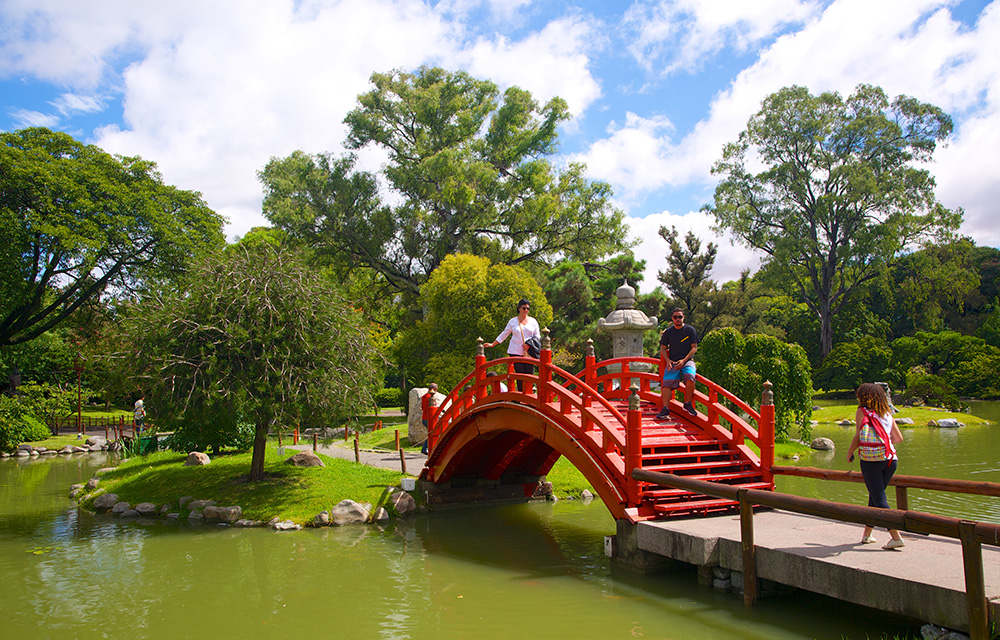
(390, 397)
(17, 425)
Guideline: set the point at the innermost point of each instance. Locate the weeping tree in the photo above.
(253, 337)
(742, 364)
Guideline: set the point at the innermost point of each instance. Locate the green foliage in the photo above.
(930, 389)
(77, 223)
(254, 336)
(742, 364)
(390, 397)
(17, 424)
(584, 293)
(989, 330)
(465, 298)
(466, 173)
(686, 277)
(211, 432)
(852, 363)
(841, 194)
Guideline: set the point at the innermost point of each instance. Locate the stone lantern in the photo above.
(627, 324)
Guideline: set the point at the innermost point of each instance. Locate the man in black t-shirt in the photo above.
(678, 345)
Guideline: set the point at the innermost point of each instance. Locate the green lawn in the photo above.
(287, 492)
(834, 413)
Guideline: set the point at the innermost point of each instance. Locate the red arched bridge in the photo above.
(603, 419)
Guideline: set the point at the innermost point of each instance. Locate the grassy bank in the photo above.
(920, 415)
(287, 492)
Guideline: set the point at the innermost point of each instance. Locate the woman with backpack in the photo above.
(874, 436)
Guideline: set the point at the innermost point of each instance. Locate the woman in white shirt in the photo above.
(520, 328)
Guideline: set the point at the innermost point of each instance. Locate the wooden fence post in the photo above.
(975, 587)
(749, 550)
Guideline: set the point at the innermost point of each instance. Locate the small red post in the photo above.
(295, 435)
(545, 367)
(633, 445)
(588, 379)
(480, 370)
(315, 441)
(397, 439)
(766, 432)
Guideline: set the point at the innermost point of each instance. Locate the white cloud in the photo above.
(69, 104)
(552, 62)
(672, 35)
(730, 260)
(28, 118)
(212, 105)
(635, 155)
(908, 47)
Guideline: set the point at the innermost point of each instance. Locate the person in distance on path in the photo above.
(678, 344)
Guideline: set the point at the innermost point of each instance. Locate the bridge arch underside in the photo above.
(512, 443)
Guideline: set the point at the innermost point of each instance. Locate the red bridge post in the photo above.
(766, 432)
(633, 445)
(480, 370)
(545, 367)
(589, 373)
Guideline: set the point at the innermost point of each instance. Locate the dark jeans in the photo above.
(523, 367)
(877, 476)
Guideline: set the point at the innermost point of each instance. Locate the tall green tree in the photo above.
(839, 196)
(467, 172)
(77, 223)
(254, 337)
(465, 298)
(687, 278)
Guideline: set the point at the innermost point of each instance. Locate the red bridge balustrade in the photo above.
(488, 432)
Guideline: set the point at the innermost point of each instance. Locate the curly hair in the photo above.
(872, 396)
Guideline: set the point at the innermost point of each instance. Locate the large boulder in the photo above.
(402, 502)
(105, 501)
(146, 509)
(198, 505)
(222, 514)
(305, 459)
(92, 483)
(120, 508)
(196, 459)
(822, 444)
(348, 512)
(414, 414)
(948, 423)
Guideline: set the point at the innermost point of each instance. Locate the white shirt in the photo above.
(518, 334)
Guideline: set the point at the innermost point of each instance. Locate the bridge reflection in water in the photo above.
(492, 441)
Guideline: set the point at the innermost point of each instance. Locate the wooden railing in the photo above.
(901, 482)
(971, 534)
(114, 426)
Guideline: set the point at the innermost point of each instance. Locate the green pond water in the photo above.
(507, 572)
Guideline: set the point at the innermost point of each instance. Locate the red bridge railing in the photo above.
(595, 386)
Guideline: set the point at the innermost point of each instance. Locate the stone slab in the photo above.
(924, 580)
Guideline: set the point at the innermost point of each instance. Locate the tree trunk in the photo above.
(259, 446)
(825, 331)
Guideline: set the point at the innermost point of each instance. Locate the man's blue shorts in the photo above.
(672, 378)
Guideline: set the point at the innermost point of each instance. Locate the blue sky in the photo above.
(211, 89)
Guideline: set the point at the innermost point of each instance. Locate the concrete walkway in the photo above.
(372, 457)
(924, 580)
